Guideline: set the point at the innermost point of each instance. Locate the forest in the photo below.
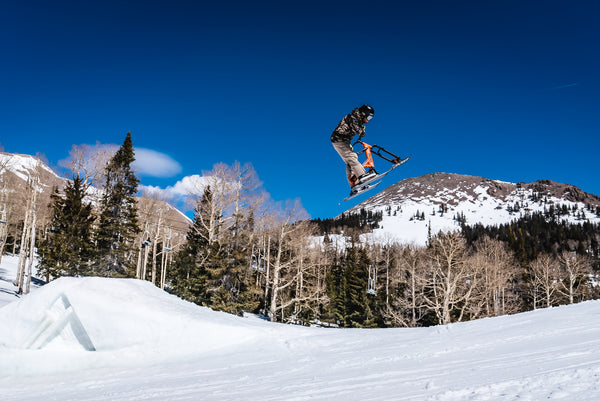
(243, 252)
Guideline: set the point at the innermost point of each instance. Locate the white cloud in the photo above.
(192, 185)
(155, 164)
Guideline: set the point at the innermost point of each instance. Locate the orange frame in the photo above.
(369, 163)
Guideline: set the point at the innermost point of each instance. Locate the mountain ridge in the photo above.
(417, 187)
(417, 207)
(17, 169)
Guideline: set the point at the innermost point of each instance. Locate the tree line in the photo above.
(244, 252)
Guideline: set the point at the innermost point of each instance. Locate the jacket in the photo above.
(350, 126)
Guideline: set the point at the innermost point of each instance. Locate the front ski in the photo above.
(401, 162)
(363, 188)
(377, 177)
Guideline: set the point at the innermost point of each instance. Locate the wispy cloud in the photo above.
(147, 162)
(555, 88)
(155, 164)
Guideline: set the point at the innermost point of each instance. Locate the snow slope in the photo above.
(150, 345)
(8, 275)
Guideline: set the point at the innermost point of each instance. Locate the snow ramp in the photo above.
(101, 314)
(60, 327)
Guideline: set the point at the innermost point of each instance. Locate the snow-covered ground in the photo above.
(118, 339)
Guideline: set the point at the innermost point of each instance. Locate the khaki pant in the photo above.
(353, 166)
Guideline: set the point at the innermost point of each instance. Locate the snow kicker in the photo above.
(60, 327)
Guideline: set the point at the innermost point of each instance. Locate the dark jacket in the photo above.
(350, 126)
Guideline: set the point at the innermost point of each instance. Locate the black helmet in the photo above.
(366, 111)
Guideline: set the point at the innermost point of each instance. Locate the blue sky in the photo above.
(508, 90)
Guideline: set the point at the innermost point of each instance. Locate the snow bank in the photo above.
(132, 318)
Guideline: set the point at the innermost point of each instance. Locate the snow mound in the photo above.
(100, 314)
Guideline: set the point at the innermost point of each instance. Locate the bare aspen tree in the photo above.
(171, 241)
(575, 271)
(154, 209)
(451, 282)
(407, 278)
(387, 250)
(89, 162)
(27, 250)
(260, 259)
(4, 162)
(308, 289)
(32, 244)
(245, 193)
(290, 235)
(413, 261)
(3, 227)
(216, 182)
(545, 279)
(498, 268)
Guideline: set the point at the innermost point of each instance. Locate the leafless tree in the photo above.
(498, 269)
(575, 271)
(88, 162)
(545, 272)
(4, 204)
(406, 280)
(27, 249)
(451, 283)
(290, 259)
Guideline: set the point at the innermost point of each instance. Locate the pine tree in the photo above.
(335, 284)
(189, 275)
(68, 247)
(356, 306)
(118, 224)
(51, 248)
(236, 291)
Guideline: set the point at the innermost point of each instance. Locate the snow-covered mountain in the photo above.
(435, 201)
(17, 169)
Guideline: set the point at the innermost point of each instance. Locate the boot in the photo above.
(366, 176)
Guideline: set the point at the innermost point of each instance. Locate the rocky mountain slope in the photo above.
(437, 202)
(17, 169)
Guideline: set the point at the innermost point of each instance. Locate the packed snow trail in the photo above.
(150, 345)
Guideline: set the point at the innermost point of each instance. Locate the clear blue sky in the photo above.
(507, 89)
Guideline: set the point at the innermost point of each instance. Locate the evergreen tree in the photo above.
(357, 310)
(68, 247)
(189, 274)
(235, 290)
(335, 284)
(118, 225)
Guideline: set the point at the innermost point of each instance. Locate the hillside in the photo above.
(17, 169)
(438, 201)
(97, 339)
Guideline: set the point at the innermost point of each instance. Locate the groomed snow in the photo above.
(150, 345)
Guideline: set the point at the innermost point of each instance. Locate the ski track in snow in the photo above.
(153, 346)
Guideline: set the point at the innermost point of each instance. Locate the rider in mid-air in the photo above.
(351, 125)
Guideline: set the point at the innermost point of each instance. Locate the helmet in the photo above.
(366, 111)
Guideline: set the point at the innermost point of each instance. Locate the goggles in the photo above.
(369, 117)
